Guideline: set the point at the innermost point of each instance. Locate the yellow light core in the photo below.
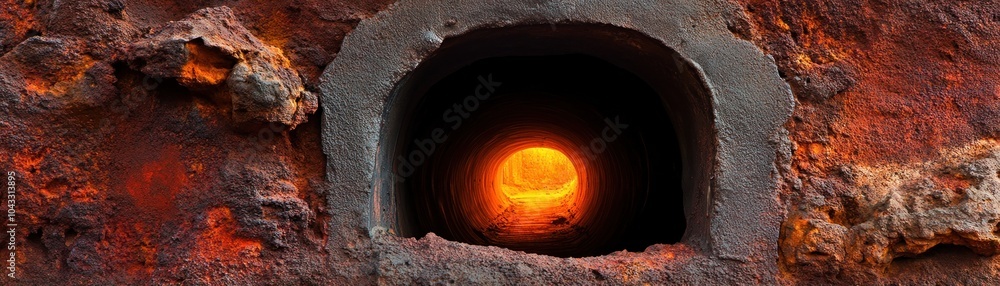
(537, 174)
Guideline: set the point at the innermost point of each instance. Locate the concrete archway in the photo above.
(735, 210)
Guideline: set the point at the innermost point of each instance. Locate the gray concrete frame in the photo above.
(736, 211)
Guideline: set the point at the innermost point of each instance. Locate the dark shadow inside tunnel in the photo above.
(637, 148)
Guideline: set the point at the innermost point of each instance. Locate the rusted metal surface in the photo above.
(128, 172)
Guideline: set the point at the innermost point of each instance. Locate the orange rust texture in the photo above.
(881, 82)
(17, 19)
(220, 239)
(308, 31)
(154, 185)
(126, 178)
(894, 101)
(205, 65)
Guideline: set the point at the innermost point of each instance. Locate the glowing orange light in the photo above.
(537, 175)
(529, 194)
(537, 188)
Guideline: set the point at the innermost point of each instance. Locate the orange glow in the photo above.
(538, 191)
(537, 175)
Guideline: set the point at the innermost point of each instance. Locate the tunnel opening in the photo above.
(553, 114)
(571, 143)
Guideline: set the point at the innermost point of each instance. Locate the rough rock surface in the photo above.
(125, 177)
(212, 52)
(135, 164)
(893, 174)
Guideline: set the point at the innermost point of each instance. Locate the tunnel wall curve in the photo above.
(737, 215)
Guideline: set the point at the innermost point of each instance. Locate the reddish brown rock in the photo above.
(118, 118)
(894, 134)
(211, 52)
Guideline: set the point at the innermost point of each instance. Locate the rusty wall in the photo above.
(180, 142)
(894, 169)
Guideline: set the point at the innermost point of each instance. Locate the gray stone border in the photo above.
(751, 102)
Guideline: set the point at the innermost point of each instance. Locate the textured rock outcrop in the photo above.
(893, 174)
(897, 211)
(210, 51)
(56, 73)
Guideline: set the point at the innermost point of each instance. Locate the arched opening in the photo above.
(632, 133)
